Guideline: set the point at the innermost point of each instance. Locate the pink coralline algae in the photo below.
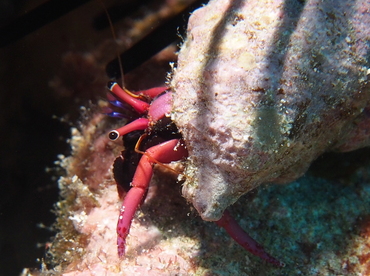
(262, 88)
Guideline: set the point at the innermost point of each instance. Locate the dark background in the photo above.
(35, 123)
(32, 134)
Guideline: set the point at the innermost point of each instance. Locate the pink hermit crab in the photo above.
(157, 123)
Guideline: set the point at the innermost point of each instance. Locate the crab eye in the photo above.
(113, 135)
(110, 84)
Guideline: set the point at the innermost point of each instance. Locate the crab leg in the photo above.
(241, 237)
(152, 92)
(166, 152)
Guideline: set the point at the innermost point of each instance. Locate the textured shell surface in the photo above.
(262, 88)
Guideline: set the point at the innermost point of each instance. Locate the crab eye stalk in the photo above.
(139, 124)
(113, 135)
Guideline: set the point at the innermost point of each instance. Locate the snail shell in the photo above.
(262, 88)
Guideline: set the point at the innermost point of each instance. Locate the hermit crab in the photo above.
(157, 124)
(260, 91)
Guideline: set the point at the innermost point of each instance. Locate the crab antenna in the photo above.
(115, 39)
(138, 105)
(139, 124)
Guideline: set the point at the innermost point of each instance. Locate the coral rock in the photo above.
(262, 88)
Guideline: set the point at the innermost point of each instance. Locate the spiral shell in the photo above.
(262, 88)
